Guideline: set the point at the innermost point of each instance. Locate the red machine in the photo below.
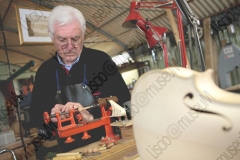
(73, 128)
(154, 34)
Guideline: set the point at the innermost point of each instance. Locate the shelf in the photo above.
(131, 66)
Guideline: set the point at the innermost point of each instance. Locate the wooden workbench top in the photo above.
(18, 151)
(125, 146)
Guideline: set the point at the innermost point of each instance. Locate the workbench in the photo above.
(18, 152)
(125, 147)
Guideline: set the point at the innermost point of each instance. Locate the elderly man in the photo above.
(73, 64)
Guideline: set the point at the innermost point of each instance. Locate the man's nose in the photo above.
(70, 45)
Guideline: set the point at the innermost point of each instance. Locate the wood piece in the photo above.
(76, 157)
(119, 148)
(16, 128)
(85, 151)
(233, 88)
(102, 147)
(173, 24)
(223, 42)
(95, 150)
(49, 143)
(92, 154)
(175, 29)
(125, 146)
(210, 49)
(131, 156)
(109, 145)
(90, 150)
(102, 101)
(68, 154)
(121, 124)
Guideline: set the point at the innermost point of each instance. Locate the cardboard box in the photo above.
(7, 137)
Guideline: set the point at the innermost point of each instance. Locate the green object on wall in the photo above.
(21, 70)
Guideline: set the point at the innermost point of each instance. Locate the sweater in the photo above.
(102, 76)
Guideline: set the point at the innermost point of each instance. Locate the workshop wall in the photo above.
(229, 35)
(129, 76)
(232, 34)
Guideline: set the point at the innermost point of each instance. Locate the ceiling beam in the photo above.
(26, 54)
(132, 29)
(107, 23)
(5, 63)
(42, 3)
(101, 5)
(10, 29)
(105, 34)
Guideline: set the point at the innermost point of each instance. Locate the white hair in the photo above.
(62, 15)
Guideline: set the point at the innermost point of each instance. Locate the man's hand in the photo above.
(71, 105)
(57, 108)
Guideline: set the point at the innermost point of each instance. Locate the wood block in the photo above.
(76, 157)
(121, 124)
(68, 154)
(131, 156)
(49, 144)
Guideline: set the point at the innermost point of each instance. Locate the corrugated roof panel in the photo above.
(132, 35)
(111, 24)
(111, 48)
(115, 26)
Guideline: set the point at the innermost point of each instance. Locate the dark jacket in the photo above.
(26, 101)
(97, 64)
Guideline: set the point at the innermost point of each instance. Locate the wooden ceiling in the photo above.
(111, 36)
(20, 54)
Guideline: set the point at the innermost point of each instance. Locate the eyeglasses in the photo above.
(74, 43)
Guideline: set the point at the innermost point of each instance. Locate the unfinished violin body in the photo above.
(180, 114)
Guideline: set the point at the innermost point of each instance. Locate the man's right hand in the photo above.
(57, 108)
(70, 105)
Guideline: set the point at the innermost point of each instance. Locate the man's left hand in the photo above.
(85, 114)
(72, 105)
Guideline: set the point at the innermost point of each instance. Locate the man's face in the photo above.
(68, 41)
(30, 87)
(24, 90)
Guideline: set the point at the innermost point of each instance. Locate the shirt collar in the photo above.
(69, 66)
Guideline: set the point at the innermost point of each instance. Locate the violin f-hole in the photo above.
(224, 128)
